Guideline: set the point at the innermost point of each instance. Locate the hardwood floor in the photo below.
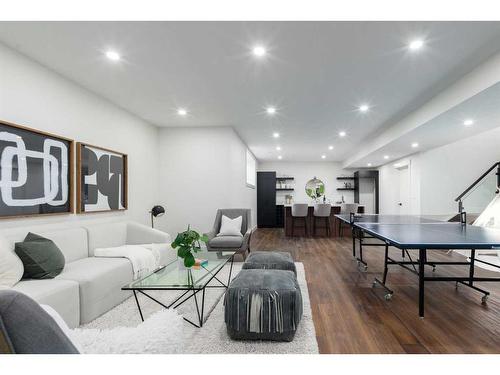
(352, 317)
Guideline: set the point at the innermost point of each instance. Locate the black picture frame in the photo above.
(36, 172)
(109, 170)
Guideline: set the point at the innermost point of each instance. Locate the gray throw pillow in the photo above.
(26, 328)
(41, 258)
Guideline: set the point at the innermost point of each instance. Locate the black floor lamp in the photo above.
(156, 211)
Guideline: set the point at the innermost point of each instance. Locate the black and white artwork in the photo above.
(35, 172)
(102, 179)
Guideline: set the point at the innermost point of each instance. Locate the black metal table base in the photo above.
(417, 267)
(191, 293)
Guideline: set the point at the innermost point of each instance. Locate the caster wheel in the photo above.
(374, 284)
(434, 269)
(388, 297)
(484, 299)
(456, 285)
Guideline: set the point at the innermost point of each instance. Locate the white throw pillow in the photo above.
(11, 267)
(230, 227)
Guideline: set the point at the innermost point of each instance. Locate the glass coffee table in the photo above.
(190, 282)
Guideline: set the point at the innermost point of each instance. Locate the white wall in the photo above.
(34, 96)
(304, 171)
(439, 175)
(201, 170)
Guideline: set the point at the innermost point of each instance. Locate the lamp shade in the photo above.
(157, 211)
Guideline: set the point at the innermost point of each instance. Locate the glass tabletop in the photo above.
(174, 276)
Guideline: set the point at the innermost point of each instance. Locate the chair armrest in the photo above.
(210, 234)
(138, 234)
(246, 239)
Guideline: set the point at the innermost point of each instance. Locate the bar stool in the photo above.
(299, 211)
(322, 211)
(347, 209)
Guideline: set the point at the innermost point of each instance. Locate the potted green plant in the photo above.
(187, 243)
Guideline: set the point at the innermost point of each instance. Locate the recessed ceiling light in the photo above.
(181, 112)
(416, 44)
(276, 135)
(278, 148)
(468, 122)
(369, 164)
(386, 156)
(259, 51)
(414, 144)
(364, 108)
(397, 165)
(323, 156)
(330, 147)
(280, 157)
(271, 110)
(113, 55)
(342, 134)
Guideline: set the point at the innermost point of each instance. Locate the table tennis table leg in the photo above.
(470, 283)
(360, 258)
(353, 232)
(389, 292)
(422, 256)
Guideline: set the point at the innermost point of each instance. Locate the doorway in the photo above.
(403, 203)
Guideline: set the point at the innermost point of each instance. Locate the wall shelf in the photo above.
(285, 178)
(345, 178)
(285, 189)
(345, 188)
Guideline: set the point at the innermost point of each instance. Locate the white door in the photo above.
(404, 191)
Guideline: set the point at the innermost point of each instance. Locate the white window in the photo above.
(251, 169)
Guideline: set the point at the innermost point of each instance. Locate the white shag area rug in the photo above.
(120, 330)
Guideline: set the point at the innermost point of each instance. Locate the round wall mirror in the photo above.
(315, 188)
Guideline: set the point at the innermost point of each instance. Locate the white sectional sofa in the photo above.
(88, 286)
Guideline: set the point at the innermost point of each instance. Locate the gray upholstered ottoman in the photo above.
(272, 260)
(263, 305)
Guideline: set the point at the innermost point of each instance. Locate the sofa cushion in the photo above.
(41, 257)
(61, 295)
(30, 330)
(11, 267)
(106, 235)
(100, 281)
(72, 242)
(224, 242)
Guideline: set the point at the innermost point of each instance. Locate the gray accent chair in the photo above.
(240, 244)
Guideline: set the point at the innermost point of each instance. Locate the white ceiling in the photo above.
(316, 74)
(482, 108)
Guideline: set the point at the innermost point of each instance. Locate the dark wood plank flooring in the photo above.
(351, 316)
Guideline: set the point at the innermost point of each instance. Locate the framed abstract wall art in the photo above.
(101, 179)
(36, 172)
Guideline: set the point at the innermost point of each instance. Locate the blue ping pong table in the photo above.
(415, 233)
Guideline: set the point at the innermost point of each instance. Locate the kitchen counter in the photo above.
(321, 223)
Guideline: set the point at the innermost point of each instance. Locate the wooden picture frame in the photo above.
(95, 194)
(21, 149)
